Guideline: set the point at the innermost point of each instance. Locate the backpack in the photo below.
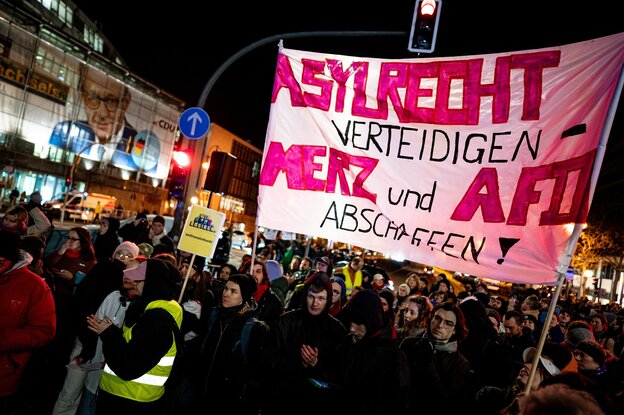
(241, 344)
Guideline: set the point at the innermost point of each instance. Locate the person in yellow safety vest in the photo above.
(140, 356)
(352, 273)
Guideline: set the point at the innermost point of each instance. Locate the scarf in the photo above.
(72, 253)
(260, 291)
(449, 347)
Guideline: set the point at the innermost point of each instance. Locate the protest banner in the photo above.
(481, 164)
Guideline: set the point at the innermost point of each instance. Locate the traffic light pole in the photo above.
(201, 102)
(346, 33)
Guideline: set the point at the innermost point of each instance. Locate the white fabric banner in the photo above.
(477, 164)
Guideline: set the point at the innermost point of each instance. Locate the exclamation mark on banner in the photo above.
(505, 244)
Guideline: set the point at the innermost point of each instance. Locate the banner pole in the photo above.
(578, 228)
(188, 272)
(544, 334)
(253, 249)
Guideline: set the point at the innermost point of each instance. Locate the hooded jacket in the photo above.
(373, 363)
(132, 355)
(289, 380)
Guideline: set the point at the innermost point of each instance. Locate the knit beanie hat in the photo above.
(274, 269)
(594, 349)
(198, 264)
(247, 285)
(146, 249)
(159, 219)
(577, 335)
(131, 247)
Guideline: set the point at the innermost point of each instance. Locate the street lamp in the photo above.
(71, 174)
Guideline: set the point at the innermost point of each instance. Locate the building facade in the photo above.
(239, 201)
(73, 116)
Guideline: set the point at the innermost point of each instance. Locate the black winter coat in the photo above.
(224, 372)
(289, 386)
(375, 371)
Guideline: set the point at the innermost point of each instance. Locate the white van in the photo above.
(80, 205)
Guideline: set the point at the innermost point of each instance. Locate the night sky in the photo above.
(178, 46)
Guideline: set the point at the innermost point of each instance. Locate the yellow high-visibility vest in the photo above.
(150, 386)
(350, 284)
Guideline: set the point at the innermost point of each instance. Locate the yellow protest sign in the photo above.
(201, 231)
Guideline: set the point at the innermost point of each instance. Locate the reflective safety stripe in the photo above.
(166, 361)
(151, 380)
(146, 379)
(150, 386)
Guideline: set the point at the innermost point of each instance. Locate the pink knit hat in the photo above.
(131, 247)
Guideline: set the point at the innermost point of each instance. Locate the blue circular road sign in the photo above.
(194, 123)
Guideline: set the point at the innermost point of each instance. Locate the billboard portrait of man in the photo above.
(105, 131)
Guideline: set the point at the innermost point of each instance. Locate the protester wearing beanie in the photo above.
(595, 363)
(304, 341)
(229, 361)
(592, 357)
(246, 286)
(576, 332)
(159, 239)
(145, 249)
(125, 251)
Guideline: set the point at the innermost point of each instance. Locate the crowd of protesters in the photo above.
(110, 325)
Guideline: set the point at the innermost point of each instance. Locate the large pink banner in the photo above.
(477, 164)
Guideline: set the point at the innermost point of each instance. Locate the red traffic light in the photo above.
(427, 7)
(181, 158)
(425, 26)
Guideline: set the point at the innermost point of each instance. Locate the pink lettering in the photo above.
(400, 84)
(298, 165)
(526, 195)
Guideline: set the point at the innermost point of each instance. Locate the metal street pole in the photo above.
(71, 174)
(201, 102)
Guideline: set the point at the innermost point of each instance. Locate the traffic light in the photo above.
(424, 26)
(180, 167)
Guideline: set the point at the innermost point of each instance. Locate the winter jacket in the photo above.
(132, 354)
(289, 383)
(442, 379)
(64, 288)
(225, 370)
(27, 321)
(103, 279)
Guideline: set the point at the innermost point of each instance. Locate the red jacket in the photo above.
(27, 321)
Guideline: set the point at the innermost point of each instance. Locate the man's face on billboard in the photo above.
(105, 103)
